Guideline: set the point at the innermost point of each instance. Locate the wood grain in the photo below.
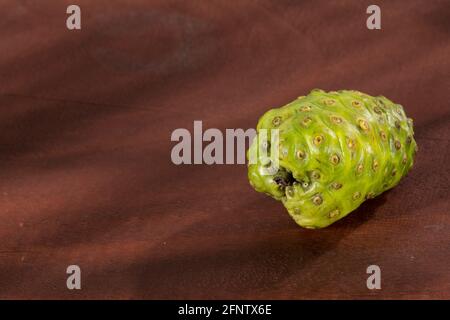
(85, 170)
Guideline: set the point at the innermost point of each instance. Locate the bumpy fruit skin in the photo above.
(336, 149)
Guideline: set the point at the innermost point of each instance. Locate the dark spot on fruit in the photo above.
(280, 181)
(284, 178)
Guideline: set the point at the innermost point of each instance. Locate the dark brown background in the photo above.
(85, 170)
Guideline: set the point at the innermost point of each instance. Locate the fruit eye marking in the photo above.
(307, 121)
(335, 159)
(383, 135)
(405, 159)
(356, 195)
(377, 109)
(394, 172)
(305, 108)
(370, 195)
(318, 140)
(334, 213)
(375, 165)
(360, 168)
(301, 155)
(317, 200)
(363, 124)
(356, 104)
(315, 175)
(408, 140)
(351, 143)
(329, 102)
(336, 185)
(336, 120)
(397, 144)
(276, 121)
(397, 124)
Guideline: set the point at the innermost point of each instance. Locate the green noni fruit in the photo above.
(336, 149)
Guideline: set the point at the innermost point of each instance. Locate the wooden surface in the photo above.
(85, 170)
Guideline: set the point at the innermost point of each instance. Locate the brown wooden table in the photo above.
(85, 171)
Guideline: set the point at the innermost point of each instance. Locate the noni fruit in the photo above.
(335, 150)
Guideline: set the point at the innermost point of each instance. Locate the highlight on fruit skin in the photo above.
(336, 150)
